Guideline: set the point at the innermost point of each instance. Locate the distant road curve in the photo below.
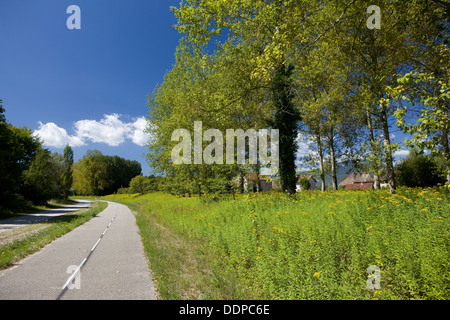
(17, 222)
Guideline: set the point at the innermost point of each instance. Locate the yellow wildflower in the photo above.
(317, 274)
(278, 229)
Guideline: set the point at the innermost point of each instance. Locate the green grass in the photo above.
(28, 240)
(314, 246)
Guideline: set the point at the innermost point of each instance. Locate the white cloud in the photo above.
(303, 146)
(139, 136)
(401, 153)
(54, 136)
(110, 130)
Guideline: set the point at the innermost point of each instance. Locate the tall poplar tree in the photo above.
(67, 175)
(286, 121)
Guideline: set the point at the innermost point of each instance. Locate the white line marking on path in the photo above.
(65, 286)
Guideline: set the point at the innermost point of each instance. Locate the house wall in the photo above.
(251, 187)
(313, 183)
(265, 186)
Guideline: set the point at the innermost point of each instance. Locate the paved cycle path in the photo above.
(101, 259)
(20, 221)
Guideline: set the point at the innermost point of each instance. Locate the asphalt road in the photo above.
(17, 222)
(101, 259)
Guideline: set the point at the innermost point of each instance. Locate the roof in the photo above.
(357, 177)
(307, 177)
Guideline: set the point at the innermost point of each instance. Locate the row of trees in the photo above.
(29, 171)
(141, 184)
(98, 175)
(32, 173)
(313, 68)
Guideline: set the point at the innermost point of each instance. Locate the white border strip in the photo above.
(85, 259)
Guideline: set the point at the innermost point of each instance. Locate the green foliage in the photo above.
(304, 183)
(431, 128)
(119, 172)
(17, 149)
(67, 174)
(90, 176)
(2, 111)
(286, 121)
(122, 191)
(338, 86)
(97, 174)
(139, 184)
(418, 170)
(42, 180)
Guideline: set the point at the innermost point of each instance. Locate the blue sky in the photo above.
(88, 87)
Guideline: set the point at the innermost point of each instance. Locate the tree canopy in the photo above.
(97, 174)
(343, 61)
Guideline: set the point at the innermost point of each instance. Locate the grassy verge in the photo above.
(314, 246)
(17, 244)
(180, 265)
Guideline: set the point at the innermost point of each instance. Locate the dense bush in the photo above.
(419, 170)
(304, 183)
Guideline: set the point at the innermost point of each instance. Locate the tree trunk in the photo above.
(322, 171)
(333, 161)
(376, 167)
(241, 182)
(446, 152)
(387, 150)
(447, 166)
(258, 182)
(285, 120)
